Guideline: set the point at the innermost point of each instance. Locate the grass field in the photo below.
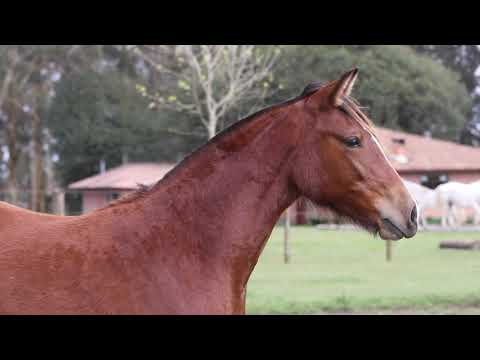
(333, 271)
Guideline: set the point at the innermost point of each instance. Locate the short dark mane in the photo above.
(311, 88)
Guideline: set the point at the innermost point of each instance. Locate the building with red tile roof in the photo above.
(430, 161)
(98, 190)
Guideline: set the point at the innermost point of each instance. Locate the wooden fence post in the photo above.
(389, 250)
(286, 245)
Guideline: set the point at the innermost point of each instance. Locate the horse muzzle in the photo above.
(396, 228)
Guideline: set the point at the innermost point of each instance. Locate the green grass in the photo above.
(346, 270)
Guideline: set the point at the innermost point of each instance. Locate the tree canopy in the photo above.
(99, 116)
(463, 59)
(400, 88)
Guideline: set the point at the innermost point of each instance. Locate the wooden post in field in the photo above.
(286, 247)
(389, 250)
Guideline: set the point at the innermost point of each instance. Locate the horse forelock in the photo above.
(353, 108)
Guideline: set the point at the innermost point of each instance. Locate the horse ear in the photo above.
(344, 86)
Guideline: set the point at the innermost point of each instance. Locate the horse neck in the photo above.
(228, 196)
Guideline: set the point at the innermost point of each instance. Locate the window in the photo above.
(111, 196)
(433, 180)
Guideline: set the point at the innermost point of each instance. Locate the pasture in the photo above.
(334, 271)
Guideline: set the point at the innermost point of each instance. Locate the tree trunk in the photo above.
(125, 159)
(211, 122)
(13, 154)
(212, 128)
(37, 195)
(11, 133)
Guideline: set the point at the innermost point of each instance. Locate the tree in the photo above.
(29, 72)
(19, 65)
(399, 88)
(102, 116)
(463, 59)
(207, 81)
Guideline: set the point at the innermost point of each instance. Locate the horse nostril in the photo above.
(413, 216)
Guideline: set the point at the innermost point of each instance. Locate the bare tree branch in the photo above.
(216, 77)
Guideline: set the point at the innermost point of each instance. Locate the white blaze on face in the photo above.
(396, 204)
(386, 207)
(388, 161)
(381, 149)
(358, 118)
(376, 143)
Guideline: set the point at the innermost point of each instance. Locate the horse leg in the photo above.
(446, 216)
(451, 216)
(422, 223)
(476, 215)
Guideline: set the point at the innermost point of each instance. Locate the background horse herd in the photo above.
(455, 203)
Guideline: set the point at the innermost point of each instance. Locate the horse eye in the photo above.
(353, 142)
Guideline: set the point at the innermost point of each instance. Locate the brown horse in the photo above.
(189, 244)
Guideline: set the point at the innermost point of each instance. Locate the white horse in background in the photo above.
(454, 198)
(426, 199)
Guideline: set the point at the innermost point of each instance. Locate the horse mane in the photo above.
(353, 108)
(311, 88)
(350, 105)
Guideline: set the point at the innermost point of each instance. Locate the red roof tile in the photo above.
(420, 153)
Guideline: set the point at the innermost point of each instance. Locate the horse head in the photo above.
(341, 164)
